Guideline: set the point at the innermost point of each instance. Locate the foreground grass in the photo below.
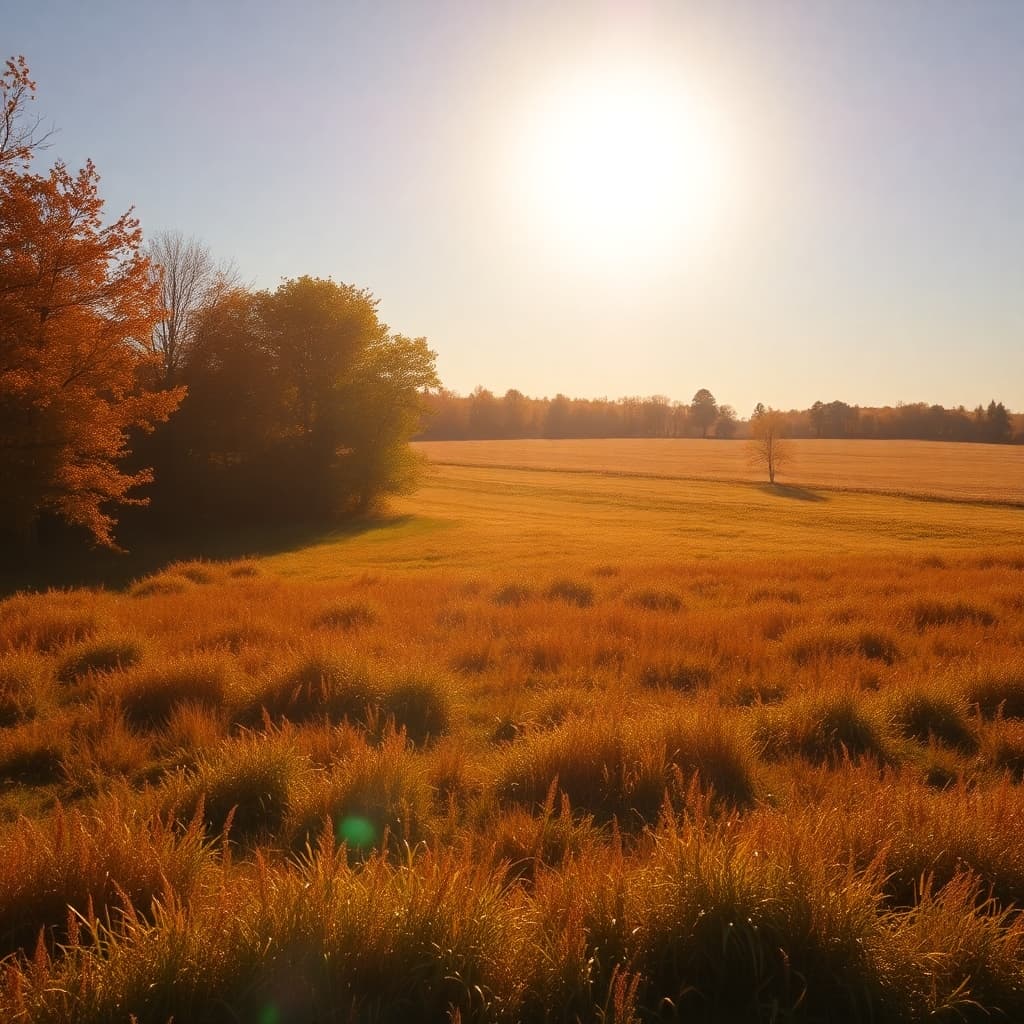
(653, 767)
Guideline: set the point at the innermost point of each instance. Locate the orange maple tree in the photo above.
(77, 305)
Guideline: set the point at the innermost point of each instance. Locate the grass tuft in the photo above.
(346, 616)
(825, 728)
(929, 612)
(655, 600)
(99, 656)
(925, 714)
(571, 592)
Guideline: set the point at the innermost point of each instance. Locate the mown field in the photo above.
(973, 472)
(542, 745)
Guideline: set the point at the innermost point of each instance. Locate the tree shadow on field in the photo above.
(70, 562)
(791, 491)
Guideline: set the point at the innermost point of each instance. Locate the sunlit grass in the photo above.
(595, 751)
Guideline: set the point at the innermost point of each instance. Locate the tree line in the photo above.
(144, 374)
(483, 415)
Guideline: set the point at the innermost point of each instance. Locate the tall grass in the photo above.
(737, 790)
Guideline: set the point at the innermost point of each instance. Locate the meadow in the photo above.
(545, 743)
(972, 472)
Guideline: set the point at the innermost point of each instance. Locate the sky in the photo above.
(842, 218)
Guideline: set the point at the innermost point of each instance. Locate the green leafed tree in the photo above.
(301, 404)
(703, 411)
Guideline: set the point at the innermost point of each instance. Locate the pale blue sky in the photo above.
(867, 242)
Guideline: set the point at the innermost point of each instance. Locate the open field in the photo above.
(542, 746)
(973, 472)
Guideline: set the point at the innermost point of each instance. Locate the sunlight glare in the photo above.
(621, 168)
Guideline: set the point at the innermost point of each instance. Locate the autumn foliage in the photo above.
(75, 300)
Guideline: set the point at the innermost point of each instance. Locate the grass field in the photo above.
(972, 472)
(542, 745)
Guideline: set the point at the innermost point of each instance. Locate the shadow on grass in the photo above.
(791, 491)
(69, 564)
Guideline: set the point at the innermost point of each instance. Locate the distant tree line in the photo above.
(483, 415)
(123, 365)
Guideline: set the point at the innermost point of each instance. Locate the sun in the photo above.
(621, 166)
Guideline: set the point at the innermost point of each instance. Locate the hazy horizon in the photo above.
(844, 219)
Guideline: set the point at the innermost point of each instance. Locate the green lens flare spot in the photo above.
(270, 1014)
(356, 831)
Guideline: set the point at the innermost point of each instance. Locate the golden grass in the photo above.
(963, 472)
(543, 747)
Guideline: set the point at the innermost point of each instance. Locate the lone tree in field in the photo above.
(704, 410)
(768, 446)
(76, 307)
